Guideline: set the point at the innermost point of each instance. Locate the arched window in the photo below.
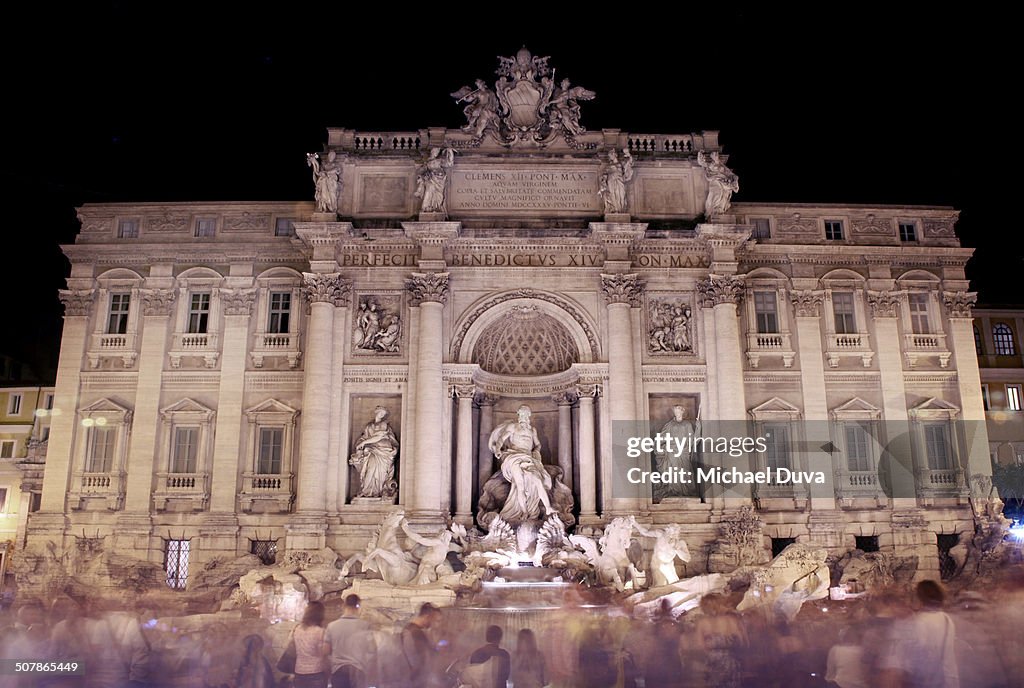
(1002, 336)
(977, 341)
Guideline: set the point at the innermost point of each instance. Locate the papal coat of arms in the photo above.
(527, 105)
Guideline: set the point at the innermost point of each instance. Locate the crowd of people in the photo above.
(890, 640)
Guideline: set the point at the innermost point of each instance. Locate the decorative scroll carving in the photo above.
(237, 302)
(77, 302)
(884, 304)
(428, 287)
(796, 225)
(716, 290)
(588, 390)
(167, 223)
(806, 302)
(872, 225)
(326, 288)
(247, 221)
(959, 303)
(464, 391)
(157, 301)
(622, 289)
(938, 228)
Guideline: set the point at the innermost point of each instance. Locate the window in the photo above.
(3, 499)
(176, 563)
(185, 450)
(908, 232)
(762, 228)
(919, 313)
(776, 453)
(7, 449)
(936, 443)
(271, 443)
(117, 323)
(128, 229)
(266, 550)
(834, 230)
(984, 397)
(947, 562)
(284, 226)
(779, 544)
(199, 314)
(206, 227)
(35, 502)
(978, 349)
(842, 309)
(1013, 397)
(858, 448)
(101, 450)
(866, 543)
(766, 312)
(14, 404)
(48, 402)
(1002, 337)
(280, 312)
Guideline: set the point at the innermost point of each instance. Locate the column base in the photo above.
(464, 519)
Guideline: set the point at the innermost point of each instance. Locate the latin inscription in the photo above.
(531, 191)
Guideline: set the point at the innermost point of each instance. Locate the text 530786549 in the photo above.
(21, 667)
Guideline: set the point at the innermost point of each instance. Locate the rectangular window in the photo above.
(271, 442)
(7, 449)
(842, 309)
(185, 450)
(206, 227)
(984, 397)
(1013, 397)
(936, 442)
(280, 312)
(3, 499)
(858, 457)
(101, 450)
(866, 543)
(176, 563)
(128, 229)
(777, 451)
(834, 230)
(766, 311)
(908, 232)
(199, 314)
(762, 228)
(117, 323)
(266, 550)
(48, 402)
(14, 404)
(919, 313)
(284, 226)
(35, 502)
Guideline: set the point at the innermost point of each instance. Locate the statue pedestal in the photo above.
(722, 219)
(617, 217)
(374, 501)
(432, 217)
(325, 217)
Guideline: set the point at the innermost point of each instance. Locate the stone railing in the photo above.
(283, 344)
(266, 493)
(760, 344)
(121, 346)
(387, 142)
(202, 344)
(848, 344)
(182, 482)
(661, 143)
(92, 489)
(943, 479)
(916, 346)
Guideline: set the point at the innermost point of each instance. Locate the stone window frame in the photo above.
(765, 279)
(110, 484)
(266, 343)
(206, 345)
(121, 222)
(1003, 339)
(13, 444)
(778, 411)
(277, 489)
(915, 233)
(291, 220)
(753, 231)
(1010, 401)
(15, 402)
(931, 482)
(214, 228)
(107, 344)
(917, 281)
(185, 412)
(843, 228)
(843, 280)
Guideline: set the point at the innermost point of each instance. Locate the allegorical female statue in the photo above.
(432, 180)
(375, 455)
(326, 181)
(614, 177)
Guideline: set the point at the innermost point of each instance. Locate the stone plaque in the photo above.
(529, 191)
(384, 193)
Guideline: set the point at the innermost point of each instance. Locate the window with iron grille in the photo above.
(266, 550)
(176, 553)
(199, 314)
(117, 323)
(1002, 337)
(280, 312)
(947, 564)
(842, 309)
(766, 312)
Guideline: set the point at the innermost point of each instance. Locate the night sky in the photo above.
(112, 104)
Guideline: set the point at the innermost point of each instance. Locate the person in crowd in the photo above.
(720, 634)
(353, 651)
(527, 662)
(311, 648)
(922, 647)
(845, 664)
(254, 670)
(417, 648)
(490, 665)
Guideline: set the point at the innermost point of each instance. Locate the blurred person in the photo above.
(845, 665)
(254, 670)
(67, 636)
(352, 648)
(26, 639)
(118, 652)
(720, 634)
(527, 662)
(417, 648)
(922, 647)
(490, 665)
(664, 666)
(311, 648)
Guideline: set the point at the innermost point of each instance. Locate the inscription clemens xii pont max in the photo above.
(572, 191)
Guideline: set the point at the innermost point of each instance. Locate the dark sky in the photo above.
(113, 104)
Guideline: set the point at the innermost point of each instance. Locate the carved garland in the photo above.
(959, 303)
(426, 287)
(717, 290)
(622, 289)
(238, 302)
(525, 294)
(77, 302)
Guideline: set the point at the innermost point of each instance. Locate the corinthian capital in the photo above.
(806, 302)
(238, 301)
(959, 303)
(77, 302)
(329, 288)
(883, 304)
(427, 287)
(157, 301)
(622, 289)
(716, 290)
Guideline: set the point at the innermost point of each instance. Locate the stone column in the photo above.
(587, 454)
(806, 305)
(621, 293)
(144, 456)
(321, 289)
(565, 401)
(428, 291)
(464, 454)
(58, 468)
(961, 336)
(484, 457)
(885, 307)
(338, 471)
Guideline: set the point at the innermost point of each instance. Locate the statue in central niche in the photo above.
(516, 446)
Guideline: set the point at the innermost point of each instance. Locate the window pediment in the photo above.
(775, 409)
